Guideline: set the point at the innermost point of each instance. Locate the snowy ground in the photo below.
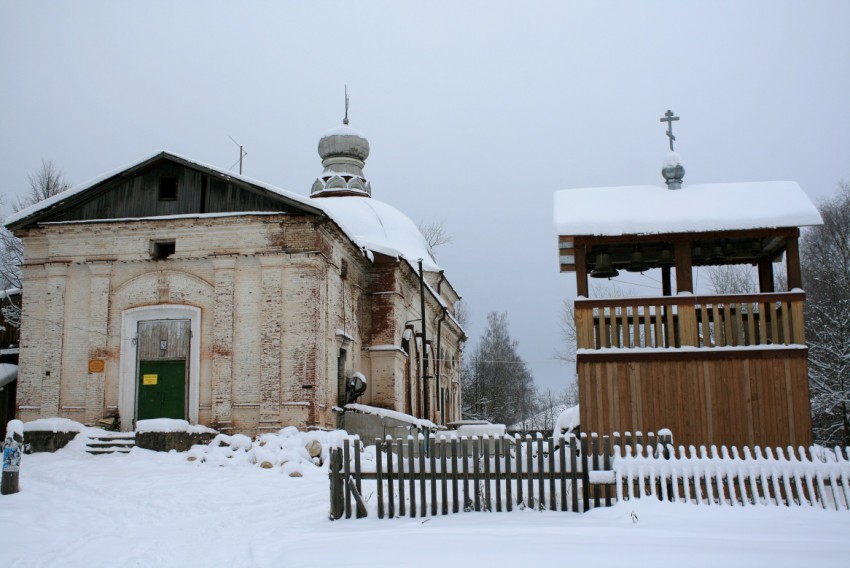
(149, 509)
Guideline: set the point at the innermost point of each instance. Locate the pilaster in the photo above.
(57, 277)
(271, 340)
(222, 360)
(101, 273)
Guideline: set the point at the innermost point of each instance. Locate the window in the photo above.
(167, 188)
(160, 250)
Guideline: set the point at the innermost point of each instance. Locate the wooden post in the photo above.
(454, 476)
(432, 440)
(464, 446)
(401, 500)
(411, 466)
(766, 276)
(358, 499)
(346, 461)
(585, 475)
(563, 464)
(553, 506)
(684, 274)
(508, 482)
(443, 478)
(423, 499)
(337, 500)
(581, 270)
(666, 287)
(379, 466)
(573, 473)
(792, 263)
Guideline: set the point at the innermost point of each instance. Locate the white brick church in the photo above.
(175, 289)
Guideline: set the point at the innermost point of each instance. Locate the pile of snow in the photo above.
(567, 421)
(171, 425)
(15, 427)
(480, 430)
(53, 425)
(294, 452)
(420, 423)
(543, 420)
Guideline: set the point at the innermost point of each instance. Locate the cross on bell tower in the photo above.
(669, 118)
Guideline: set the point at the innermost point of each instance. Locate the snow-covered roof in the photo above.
(369, 223)
(65, 195)
(379, 227)
(648, 209)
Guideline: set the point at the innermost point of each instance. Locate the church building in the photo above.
(170, 288)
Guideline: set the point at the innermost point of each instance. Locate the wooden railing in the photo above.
(685, 320)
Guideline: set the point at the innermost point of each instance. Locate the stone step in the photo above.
(110, 450)
(117, 443)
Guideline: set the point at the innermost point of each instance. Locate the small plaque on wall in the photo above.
(96, 366)
(149, 380)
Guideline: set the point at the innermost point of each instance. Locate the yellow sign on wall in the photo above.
(149, 379)
(96, 366)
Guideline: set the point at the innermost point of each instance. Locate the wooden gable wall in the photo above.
(137, 195)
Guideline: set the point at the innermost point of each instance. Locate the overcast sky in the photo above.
(476, 112)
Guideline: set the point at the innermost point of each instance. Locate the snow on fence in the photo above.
(818, 477)
(427, 477)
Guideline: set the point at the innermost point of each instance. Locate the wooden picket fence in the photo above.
(428, 477)
(501, 473)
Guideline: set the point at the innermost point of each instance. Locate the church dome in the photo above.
(343, 151)
(343, 141)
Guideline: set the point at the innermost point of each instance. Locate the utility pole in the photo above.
(425, 389)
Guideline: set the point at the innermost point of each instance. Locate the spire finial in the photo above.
(669, 118)
(345, 120)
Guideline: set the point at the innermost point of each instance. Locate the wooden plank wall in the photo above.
(742, 401)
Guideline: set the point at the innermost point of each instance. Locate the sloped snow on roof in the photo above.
(649, 209)
(59, 197)
(379, 227)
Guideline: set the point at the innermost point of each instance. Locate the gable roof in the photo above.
(67, 199)
(647, 209)
(369, 223)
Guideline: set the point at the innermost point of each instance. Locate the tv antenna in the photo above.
(242, 154)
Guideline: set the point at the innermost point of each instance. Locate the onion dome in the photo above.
(673, 170)
(343, 151)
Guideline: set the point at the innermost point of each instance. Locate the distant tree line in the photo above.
(825, 259)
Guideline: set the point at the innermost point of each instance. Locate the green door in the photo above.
(162, 389)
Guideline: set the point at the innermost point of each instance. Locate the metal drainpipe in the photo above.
(440, 402)
(426, 391)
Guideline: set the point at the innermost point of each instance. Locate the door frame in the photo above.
(129, 357)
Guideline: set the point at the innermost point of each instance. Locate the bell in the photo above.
(636, 262)
(717, 252)
(665, 259)
(603, 267)
(729, 250)
(696, 253)
(755, 247)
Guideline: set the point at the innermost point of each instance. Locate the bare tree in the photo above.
(45, 183)
(732, 279)
(566, 353)
(825, 263)
(435, 234)
(462, 314)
